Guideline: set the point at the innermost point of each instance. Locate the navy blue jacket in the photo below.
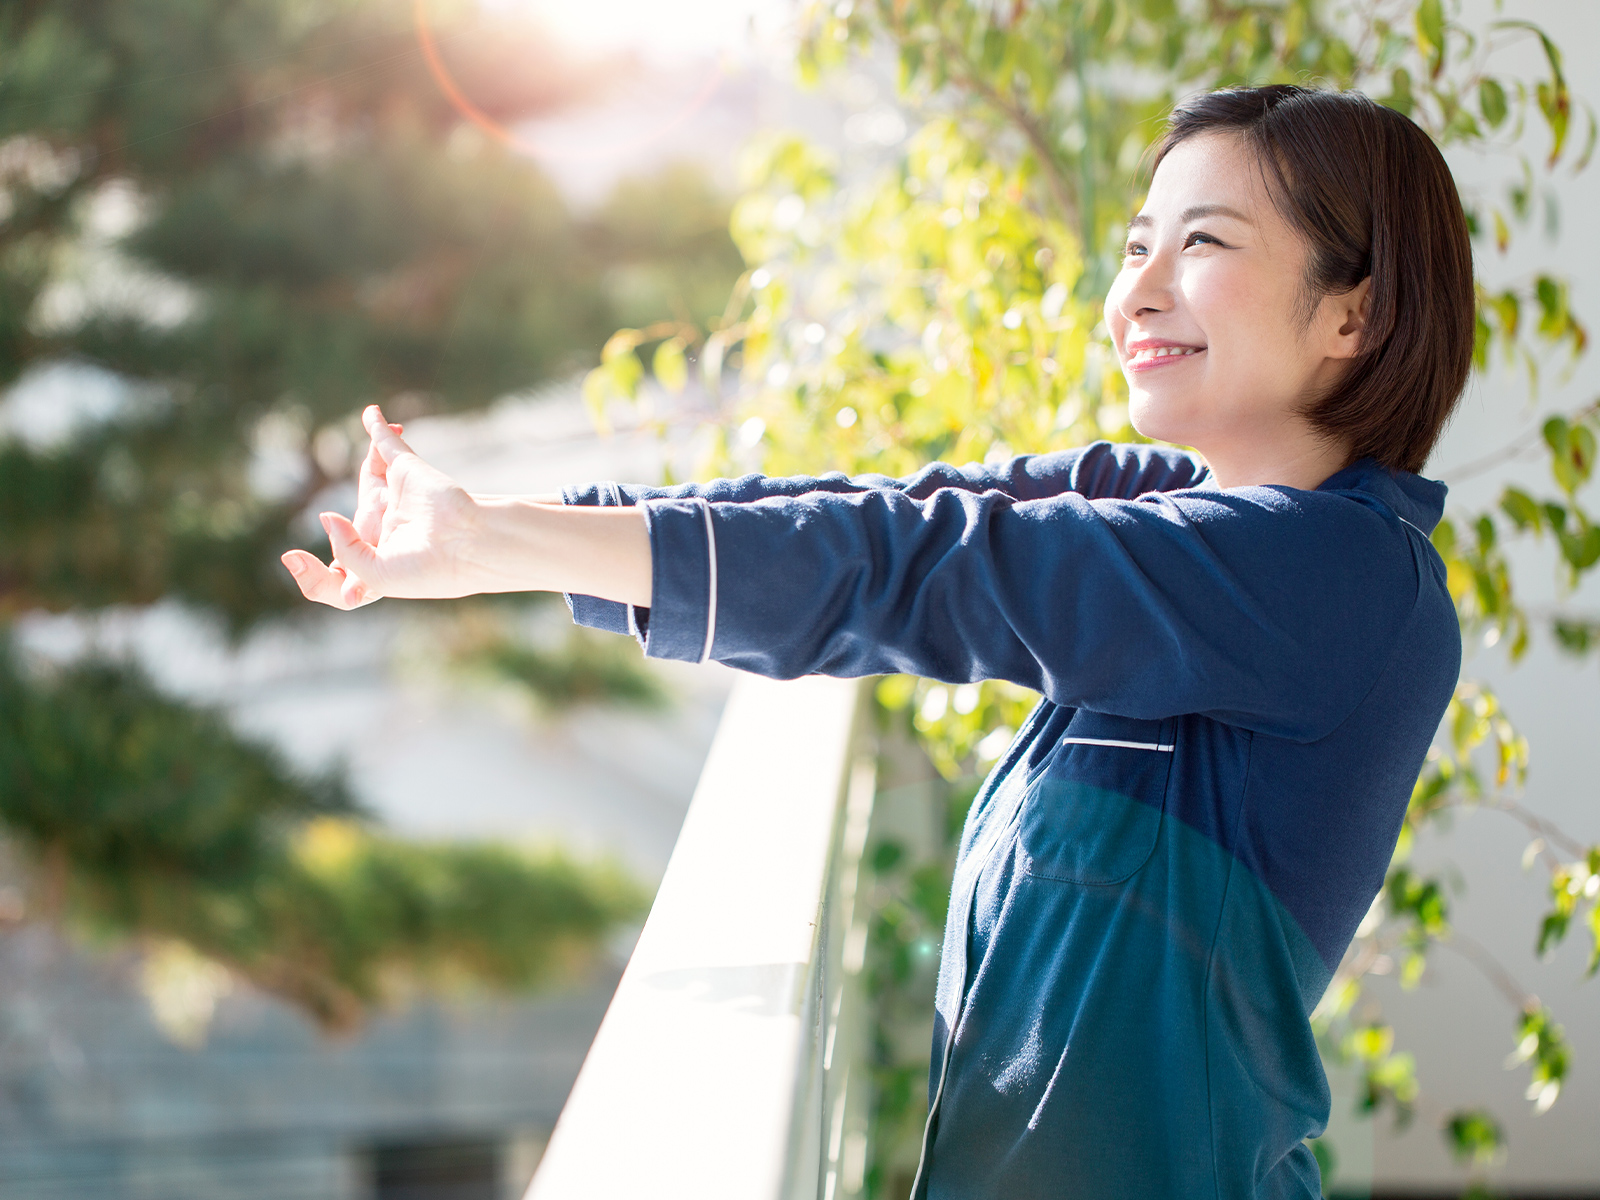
(1159, 877)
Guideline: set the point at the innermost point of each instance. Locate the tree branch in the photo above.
(1512, 449)
(1479, 956)
(1542, 826)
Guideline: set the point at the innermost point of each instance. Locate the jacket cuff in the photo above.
(681, 622)
(590, 611)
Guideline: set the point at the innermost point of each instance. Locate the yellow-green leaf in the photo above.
(669, 365)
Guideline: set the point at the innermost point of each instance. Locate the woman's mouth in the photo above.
(1147, 358)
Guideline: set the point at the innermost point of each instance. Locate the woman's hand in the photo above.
(419, 534)
(410, 522)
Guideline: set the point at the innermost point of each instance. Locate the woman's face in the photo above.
(1207, 312)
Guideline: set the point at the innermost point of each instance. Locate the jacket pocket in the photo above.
(1092, 811)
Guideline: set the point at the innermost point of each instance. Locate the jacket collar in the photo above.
(1414, 499)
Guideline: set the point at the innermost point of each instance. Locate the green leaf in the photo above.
(1552, 301)
(1492, 102)
(1444, 538)
(1552, 52)
(1589, 141)
(669, 366)
(1400, 98)
(1430, 31)
(1588, 549)
(1581, 450)
(1580, 547)
(621, 364)
(1521, 508)
(1555, 101)
(1556, 105)
(1572, 459)
(1487, 535)
(1555, 433)
(1575, 637)
(1474, 1136)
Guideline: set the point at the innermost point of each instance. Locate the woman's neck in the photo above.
(1302, 463)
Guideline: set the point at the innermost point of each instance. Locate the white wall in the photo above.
(1459, 1027)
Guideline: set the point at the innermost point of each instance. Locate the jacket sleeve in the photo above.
(1103, 469)
(1270, 608)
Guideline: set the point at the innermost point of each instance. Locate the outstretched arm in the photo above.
(419, 534)
(1099, 471)
(1102, 470)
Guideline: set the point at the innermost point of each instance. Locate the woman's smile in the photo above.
(1150, 353)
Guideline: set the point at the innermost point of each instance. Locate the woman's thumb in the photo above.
(351, 552)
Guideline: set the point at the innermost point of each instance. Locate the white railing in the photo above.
(723, 1068)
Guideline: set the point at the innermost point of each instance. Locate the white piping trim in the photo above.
(619, 501)
(1164, 749)
(711, 605)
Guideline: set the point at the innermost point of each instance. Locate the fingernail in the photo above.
(293, 565)
(327, 525)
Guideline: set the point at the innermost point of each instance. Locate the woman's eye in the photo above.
(1198, 238)
(1133, 248)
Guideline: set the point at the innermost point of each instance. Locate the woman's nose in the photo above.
(1147, 288)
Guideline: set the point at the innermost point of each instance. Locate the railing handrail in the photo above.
(709, 1077)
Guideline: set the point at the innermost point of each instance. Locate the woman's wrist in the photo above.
(537, 543)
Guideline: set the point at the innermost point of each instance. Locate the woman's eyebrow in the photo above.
(1212, 210)
(1192, 213)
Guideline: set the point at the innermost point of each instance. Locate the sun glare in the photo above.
(592, 151)
(652, 28)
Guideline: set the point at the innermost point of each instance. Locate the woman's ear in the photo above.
(1345, 318)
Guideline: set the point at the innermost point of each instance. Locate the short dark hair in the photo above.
(1371, 195)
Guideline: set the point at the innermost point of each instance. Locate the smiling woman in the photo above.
(1297, 288)
(1244, 653)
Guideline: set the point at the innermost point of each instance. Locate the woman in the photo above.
(1244, 652)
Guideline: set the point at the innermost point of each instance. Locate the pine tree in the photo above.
(263, 215)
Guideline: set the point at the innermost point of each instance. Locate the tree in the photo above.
(256, 217)
(947, 308)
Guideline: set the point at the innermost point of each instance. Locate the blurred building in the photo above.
(440, 1101)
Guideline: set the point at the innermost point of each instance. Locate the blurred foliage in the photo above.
(266, 216)
(492, 639)
(961, 727)
(948, 305)
(584, 670)
(665, 240)
(145, 817)
(252, 218)
(116, 786)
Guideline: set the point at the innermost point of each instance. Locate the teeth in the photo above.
(1166, 351)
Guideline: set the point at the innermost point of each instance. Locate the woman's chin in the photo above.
(1159, 418)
